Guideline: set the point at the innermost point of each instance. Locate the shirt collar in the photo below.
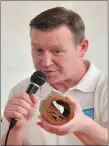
(89, 81)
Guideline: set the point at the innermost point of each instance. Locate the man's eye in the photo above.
(57, 51)
(38, 50)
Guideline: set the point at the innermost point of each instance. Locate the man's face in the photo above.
(55, 53)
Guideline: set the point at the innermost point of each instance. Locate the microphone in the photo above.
(38, 78)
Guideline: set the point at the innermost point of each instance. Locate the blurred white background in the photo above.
(16, 61)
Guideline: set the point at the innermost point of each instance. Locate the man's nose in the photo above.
(47, 60)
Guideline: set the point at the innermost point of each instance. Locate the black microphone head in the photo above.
(38, 78)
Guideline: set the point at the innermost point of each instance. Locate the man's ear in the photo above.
(83, 47)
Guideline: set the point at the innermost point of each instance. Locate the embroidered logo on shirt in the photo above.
(89, 112)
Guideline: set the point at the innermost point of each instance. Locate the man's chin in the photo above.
(52, 80)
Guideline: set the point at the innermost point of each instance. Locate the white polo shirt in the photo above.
(92, 94)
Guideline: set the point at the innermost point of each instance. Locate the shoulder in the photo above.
(101, 91)
(102, 85)
(99, 83)
(99, 78)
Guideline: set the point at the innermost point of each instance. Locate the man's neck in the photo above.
(65, 85)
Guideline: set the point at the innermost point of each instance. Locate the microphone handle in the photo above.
(32, 89)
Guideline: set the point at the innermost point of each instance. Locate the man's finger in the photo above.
(40, 124)
(34, 99)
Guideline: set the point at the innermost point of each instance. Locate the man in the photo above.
(58, 47)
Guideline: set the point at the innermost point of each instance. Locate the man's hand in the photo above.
(77, 124)
(21, 107)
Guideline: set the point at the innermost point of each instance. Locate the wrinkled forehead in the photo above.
(57, 36)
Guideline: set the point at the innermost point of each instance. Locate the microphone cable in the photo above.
(13, 122)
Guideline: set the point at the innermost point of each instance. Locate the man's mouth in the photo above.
(49, 71)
